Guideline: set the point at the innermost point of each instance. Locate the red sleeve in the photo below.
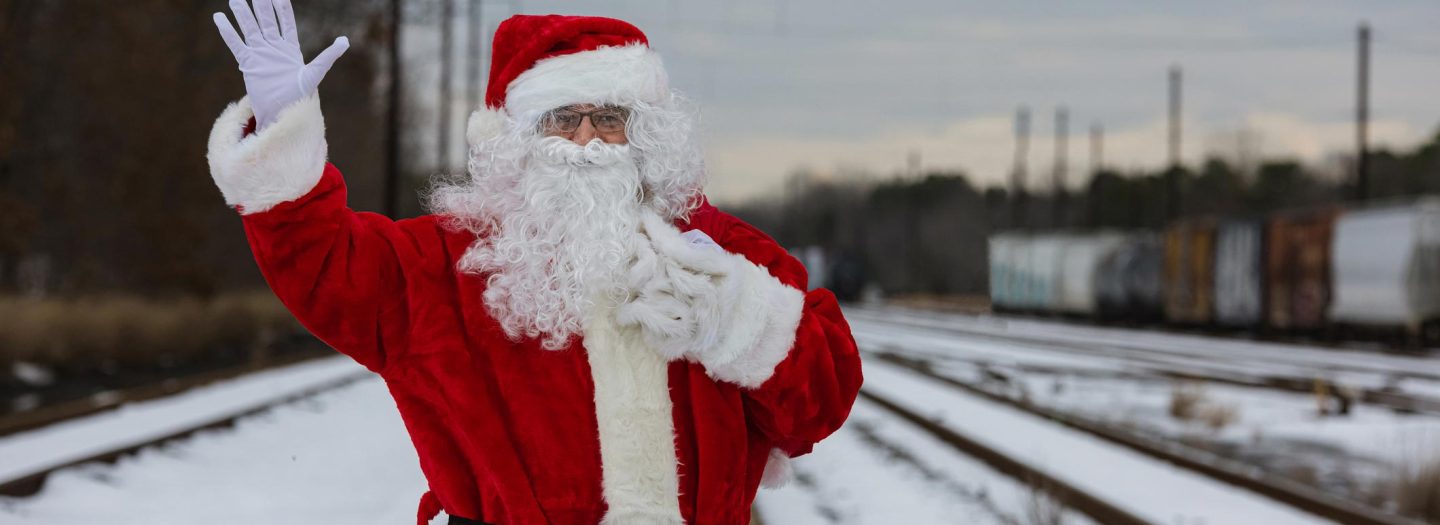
(340, 272)
(810, 393)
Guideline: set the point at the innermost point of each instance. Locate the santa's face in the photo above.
(557, 220)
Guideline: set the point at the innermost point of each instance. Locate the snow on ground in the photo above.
(36, 450)
(339, 457)
(1147, 487)
(1280, 430)
(1368, 368)
(1351, 456)
(880, 470)
(343, 457)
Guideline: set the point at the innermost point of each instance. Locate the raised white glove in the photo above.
(275, 71)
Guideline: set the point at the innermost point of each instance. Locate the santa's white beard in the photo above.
(561, 234)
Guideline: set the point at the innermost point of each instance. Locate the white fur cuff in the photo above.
(778, 470)
(279, 164)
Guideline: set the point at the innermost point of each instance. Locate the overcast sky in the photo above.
(838, 86)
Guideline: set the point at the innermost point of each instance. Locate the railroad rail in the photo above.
(1393, 400)
(1280, 489)
(1067, 494)
(111, 399)
(30, 483)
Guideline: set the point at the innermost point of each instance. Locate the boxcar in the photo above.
(1189, 271)
(1128, 283)
(1079, 263)
(1386, 267)
(1112, 300)
(1003, 279)
(1144, 281)
(1297, 269)
(1041, 282)
(1239, 274)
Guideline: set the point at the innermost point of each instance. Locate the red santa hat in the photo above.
(541, 62)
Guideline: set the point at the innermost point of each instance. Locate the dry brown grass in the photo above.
(1189, 401)
(126, 330)
(1416, 490)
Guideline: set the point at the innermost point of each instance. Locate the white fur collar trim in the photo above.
(281, 163)
(608, 75)
(634, 415)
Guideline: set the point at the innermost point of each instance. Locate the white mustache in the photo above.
(558, 150)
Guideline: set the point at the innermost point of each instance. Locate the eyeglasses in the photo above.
(606, 119)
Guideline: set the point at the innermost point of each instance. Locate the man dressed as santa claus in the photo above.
(574, 336)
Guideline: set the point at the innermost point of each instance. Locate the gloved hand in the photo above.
(681, 286)
(275, 72)
(693, 300)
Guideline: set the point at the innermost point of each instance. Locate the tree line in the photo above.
(927, 234)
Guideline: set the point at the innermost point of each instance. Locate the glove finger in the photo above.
(265, 11)
(287, 21)
(669, 349)
(656, 316)
(643, 270)
(248, 26)
(687, 283)
(228, 34)
(315, 72)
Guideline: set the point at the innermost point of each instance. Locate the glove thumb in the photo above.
(316, 70)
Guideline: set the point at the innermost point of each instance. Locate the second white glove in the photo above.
(269, 56)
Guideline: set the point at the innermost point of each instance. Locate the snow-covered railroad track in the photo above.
(31, 456)
(1070, 495)
(111, 399)
(1402, 383)
(1295, 494)
(1156, 490)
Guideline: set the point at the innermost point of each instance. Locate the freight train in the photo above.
(1324, 272)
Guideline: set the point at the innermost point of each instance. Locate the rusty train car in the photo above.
(1309, 272)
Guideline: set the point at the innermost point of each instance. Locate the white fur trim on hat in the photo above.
(607, 75)
(281, 163)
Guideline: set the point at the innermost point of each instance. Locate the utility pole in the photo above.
(1097, 149)
(473, 34)
(1175, 116)
(446, 106)
(1172, 175)
(1097, 163)
(1062, 148)
(1362, 115)
(392, 116)
(1017, 173)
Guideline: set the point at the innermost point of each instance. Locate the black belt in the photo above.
(457, 520)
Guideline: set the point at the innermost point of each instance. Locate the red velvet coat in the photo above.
(506, 432)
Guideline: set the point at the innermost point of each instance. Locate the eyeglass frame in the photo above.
(547, 118)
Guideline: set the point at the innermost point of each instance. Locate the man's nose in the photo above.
(585, 133)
